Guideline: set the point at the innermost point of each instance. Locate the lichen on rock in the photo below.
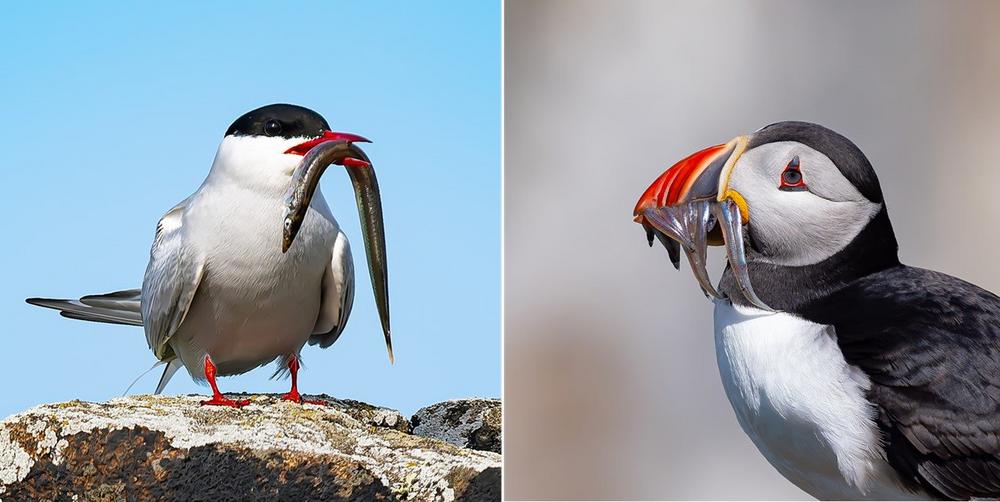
(170, 448)
(468, 423)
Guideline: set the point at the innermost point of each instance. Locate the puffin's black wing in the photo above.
(931, 345)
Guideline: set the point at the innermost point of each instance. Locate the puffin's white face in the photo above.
(798, 214)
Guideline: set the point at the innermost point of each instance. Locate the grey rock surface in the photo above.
(171, 448)
(467, 423)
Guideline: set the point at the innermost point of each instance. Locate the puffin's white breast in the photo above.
(802, 405)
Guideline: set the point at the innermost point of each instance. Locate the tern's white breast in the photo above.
(254, 303)
(802, 405)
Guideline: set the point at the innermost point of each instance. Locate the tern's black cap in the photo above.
(279, 120)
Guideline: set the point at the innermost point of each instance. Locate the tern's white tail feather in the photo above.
(120, 307)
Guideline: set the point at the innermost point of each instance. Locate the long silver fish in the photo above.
(305, 180)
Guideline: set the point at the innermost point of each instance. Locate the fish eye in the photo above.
(272, 127)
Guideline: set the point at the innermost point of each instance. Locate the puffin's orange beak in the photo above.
(701, 175)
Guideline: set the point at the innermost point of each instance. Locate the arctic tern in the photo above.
(253, 265)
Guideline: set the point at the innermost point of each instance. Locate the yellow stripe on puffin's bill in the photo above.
(739, 146)
(741, 203)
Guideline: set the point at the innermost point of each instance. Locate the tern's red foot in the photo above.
(293, 395)
(217, 398)
(225, 401)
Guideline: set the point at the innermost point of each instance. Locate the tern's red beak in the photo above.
(303, 148)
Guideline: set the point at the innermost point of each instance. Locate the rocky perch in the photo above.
(171, 448)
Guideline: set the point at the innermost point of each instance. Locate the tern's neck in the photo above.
(255, 163)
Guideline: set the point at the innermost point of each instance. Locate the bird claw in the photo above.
(225, 401)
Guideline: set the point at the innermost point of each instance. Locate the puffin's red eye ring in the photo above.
(791, 177)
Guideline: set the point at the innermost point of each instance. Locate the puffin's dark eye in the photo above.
(272, 127)
(791, 177)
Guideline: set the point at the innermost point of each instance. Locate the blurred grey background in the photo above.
(611, 387)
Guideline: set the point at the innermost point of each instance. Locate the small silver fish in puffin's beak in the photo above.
(691, 206)
(305, 180)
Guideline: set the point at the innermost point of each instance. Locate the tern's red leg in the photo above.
(293, 395)
(217, 398)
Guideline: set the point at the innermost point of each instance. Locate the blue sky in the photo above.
(112, 114)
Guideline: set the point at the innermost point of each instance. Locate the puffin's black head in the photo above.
(841, 151)
(802, 197)
(808, 192)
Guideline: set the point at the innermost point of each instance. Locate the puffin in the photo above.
(856, 376)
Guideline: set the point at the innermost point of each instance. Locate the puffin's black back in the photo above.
(930, 344)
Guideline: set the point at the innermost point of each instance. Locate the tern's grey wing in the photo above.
(338, 295)
(171, 280)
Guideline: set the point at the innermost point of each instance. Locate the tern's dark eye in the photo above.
(272, 127)
(791, 177)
